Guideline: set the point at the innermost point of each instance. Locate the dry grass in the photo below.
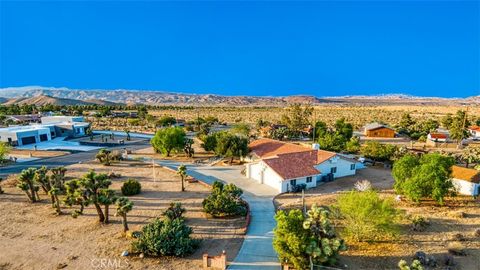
(32, 237)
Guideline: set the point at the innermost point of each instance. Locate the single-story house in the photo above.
(475, 132)
(377, 130)
(437, 137)
(51, 127)
(283, 165)
(466, 180)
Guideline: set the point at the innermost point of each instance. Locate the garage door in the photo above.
(28, 140)
(43, 137)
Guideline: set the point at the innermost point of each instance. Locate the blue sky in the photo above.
(425, 48)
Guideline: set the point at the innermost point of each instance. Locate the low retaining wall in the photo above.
(215, 262)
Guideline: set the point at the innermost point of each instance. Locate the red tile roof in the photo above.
(476, 128)
(294, 165)
(438, 136)
(467, 174)
(264, 148)
(289, 160)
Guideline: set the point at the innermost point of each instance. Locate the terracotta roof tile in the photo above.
(438, 136)
(264, 148)
(476, 128)
(467, 174)
(294, 165)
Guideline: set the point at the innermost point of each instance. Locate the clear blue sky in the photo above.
(245, 48)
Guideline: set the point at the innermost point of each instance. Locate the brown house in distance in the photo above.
(378, 130)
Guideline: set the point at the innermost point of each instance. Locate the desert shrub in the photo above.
(363, 185)
(131, 187)
(299, 187)
(367, 216)
(174, 211)
(297, 238)
(419, 223)
(416, 265)
(167, 237)
(224, 201)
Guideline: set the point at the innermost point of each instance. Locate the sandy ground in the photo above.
(32, 237)
(38, 153)
(445, 224)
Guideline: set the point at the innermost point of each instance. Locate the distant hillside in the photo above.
(44, 100)
(44, 95)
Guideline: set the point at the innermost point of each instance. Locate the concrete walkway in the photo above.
(257, 250)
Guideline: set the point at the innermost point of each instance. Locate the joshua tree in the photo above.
(54, 191)
(128, 134)
(75, 195)
(124, 205)
(27, 184)
(106, 198)
(188, 149)
(58, 177)
(42, 178)
(93, 184)
(104, 156)
(182, 171)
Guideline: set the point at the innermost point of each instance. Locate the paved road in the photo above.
(257, 250)
(65, 160)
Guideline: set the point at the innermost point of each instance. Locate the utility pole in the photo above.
(463, 128)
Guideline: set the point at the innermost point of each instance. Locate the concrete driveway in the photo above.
(257, 250)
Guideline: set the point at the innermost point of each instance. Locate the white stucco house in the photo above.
(474, 132)
(283, 165)
(51, 127)
(466, 180)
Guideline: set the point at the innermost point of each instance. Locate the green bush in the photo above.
(174, 211)
(131, 187)
(225, 201)
(366, 216)
(166, 238)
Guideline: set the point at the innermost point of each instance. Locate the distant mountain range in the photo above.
(63, 96)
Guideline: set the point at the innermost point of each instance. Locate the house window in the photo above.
(352, 167)
(333, 170)
(293, 182)
(309, 179)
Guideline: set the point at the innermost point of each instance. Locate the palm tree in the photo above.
(124, 205)
(182, 171)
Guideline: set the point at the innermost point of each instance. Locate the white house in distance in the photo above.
(474, 132)
(437, 137)
(283, 165)
(466, 180)
(51, 127)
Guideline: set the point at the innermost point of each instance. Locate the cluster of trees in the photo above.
(171, 139)
(225, 201)
(169, 236)
(226, 144)
(379, 151)
(92, 188)
(427, 176)
(339, 138)
(416, 130)
(304, 240)
(457, 125)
